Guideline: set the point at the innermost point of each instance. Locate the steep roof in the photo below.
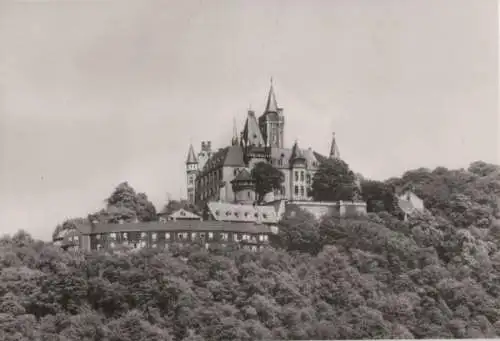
(334, 149)
(297, 153)
(272, 104)
(244, 175)
(251, 132)
(183, 226)
(242, 213)
(191, 157)
(285, 155)
(231, 156)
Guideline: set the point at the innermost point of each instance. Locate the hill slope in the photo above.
(436, 276)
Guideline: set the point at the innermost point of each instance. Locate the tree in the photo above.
(124, 195)
(378, 196)
(124, 204)
(267, 178)
(333, 181)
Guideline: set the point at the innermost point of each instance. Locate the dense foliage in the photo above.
(434, 276)
(267, 178)
(334, 181)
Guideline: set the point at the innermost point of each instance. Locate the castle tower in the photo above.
(244, 188)
(298, 167)
(272, 121)
(204, 154)
(191, 171)
(334, 149)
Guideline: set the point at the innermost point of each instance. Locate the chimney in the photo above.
(203, 146)
(209, 146)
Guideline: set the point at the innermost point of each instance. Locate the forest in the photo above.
(436, 275)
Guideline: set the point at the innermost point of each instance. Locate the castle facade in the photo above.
(224, 175)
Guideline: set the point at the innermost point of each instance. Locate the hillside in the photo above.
(435, 276)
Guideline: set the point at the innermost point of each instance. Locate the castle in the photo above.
(224, 175)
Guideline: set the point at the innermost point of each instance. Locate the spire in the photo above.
(334, 149)
(272, 105)
(234, 140)
(191, 158)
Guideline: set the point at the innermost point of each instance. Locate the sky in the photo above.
(93, 93)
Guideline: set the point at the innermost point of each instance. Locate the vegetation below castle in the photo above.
(434, 276)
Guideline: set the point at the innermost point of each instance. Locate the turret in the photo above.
(244, 188)
(272, 121)
(298, 177)
(334, 149)
(191, 171)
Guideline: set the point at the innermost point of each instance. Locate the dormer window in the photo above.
(256, 215)
(246, 214)
(236, 214)
(228, 213)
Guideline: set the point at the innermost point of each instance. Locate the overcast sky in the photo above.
(93, 93)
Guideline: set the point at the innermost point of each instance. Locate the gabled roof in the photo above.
(183, 214)
(244, 175)
(251, 132)
(231, 156)
(191, 158)
(183, 226)
(242, 213)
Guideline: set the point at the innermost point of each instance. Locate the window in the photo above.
(224, 236)
(308, 177)
(236, 237)
(153, 245)
(302, 190)
(191, 180)
(210, 235)
(236, 214)
(264, 215)
(217, 212)
(153, 236)
(280, 162)
(202, 235)
(249, 195)
(296, 190)
(302, 176)
(113, 235)
(296, 176)
(228, 213)
(111, 245)
(193, 236)
(180, 236)
(167, 235)
(125, 236)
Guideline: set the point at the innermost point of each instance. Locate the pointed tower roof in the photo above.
(251, 133)
(297, 153)
(272, 104)
(191, 158)
(234, 140)
(334, 149)
(245, 176)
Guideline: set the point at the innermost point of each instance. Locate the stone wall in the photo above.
(343, 208)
